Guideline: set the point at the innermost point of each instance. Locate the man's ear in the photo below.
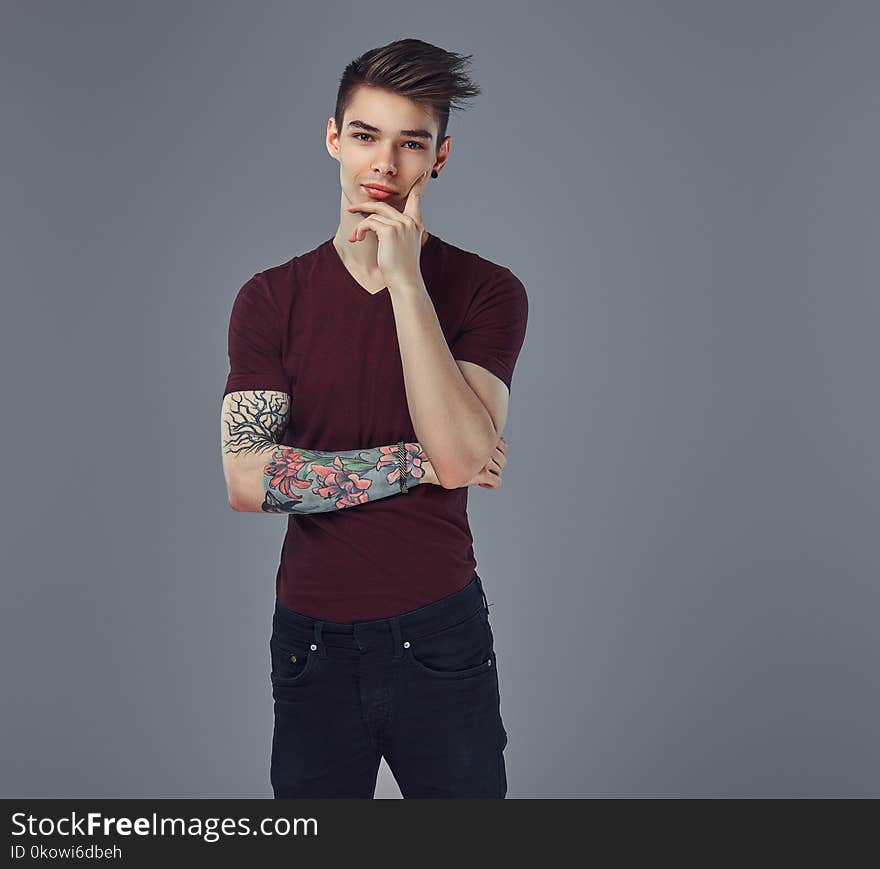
(443, 152)
(332, 139)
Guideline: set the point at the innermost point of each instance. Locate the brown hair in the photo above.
(418, 70)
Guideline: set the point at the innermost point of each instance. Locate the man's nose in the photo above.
(386, 164)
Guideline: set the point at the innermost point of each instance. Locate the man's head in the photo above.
(392, 111)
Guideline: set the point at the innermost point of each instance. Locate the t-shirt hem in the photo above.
(490, 365)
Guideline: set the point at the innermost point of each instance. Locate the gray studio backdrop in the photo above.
(683, 558)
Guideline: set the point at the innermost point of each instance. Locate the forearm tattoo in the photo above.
(299, 480)
(314, 481)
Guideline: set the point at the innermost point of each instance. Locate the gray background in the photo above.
(683, 557)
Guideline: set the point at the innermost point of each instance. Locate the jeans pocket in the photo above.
(292, 659)
(460, 651)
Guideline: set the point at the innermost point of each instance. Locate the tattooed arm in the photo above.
(263, 475)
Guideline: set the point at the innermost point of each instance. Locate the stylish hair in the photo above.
(418, 70)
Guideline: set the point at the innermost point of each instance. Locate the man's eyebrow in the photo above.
(416, 134)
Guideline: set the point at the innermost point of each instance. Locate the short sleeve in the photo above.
(254, 341)
(495, 325)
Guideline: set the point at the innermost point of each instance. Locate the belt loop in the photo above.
(395, 633)
(319, 642)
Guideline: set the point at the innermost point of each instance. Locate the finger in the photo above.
(488, 481)
(374, 207)
(374, 221)
(377, 218)
(413, 206)
(360, 231)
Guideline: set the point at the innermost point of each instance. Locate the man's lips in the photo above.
(378, 192)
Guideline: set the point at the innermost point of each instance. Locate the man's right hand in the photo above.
(488, 477)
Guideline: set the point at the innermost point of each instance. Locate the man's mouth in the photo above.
(378, 192)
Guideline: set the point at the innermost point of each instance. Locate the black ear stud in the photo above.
(433, 173)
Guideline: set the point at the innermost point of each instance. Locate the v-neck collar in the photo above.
(360, 291)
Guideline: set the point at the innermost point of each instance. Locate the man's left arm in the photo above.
(450, 419)
(458, 414)
(458, 408)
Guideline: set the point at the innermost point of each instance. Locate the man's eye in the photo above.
(418, 145)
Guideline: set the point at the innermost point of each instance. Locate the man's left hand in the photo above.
(399, 234)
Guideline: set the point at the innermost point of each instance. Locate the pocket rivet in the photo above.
(489, 662)
(313, 647)
(293, 658)
(406, 645)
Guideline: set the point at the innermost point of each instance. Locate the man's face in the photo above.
(385, 155)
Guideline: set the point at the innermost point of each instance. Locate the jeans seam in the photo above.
(468, 618)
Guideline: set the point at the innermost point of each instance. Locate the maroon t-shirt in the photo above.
(308, 328)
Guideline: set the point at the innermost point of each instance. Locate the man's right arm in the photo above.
(263, 475)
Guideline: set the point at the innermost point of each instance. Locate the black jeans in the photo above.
(419, 689)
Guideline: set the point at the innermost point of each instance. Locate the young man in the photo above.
(368, 388)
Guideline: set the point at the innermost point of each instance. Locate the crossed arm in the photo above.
(263, 475)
